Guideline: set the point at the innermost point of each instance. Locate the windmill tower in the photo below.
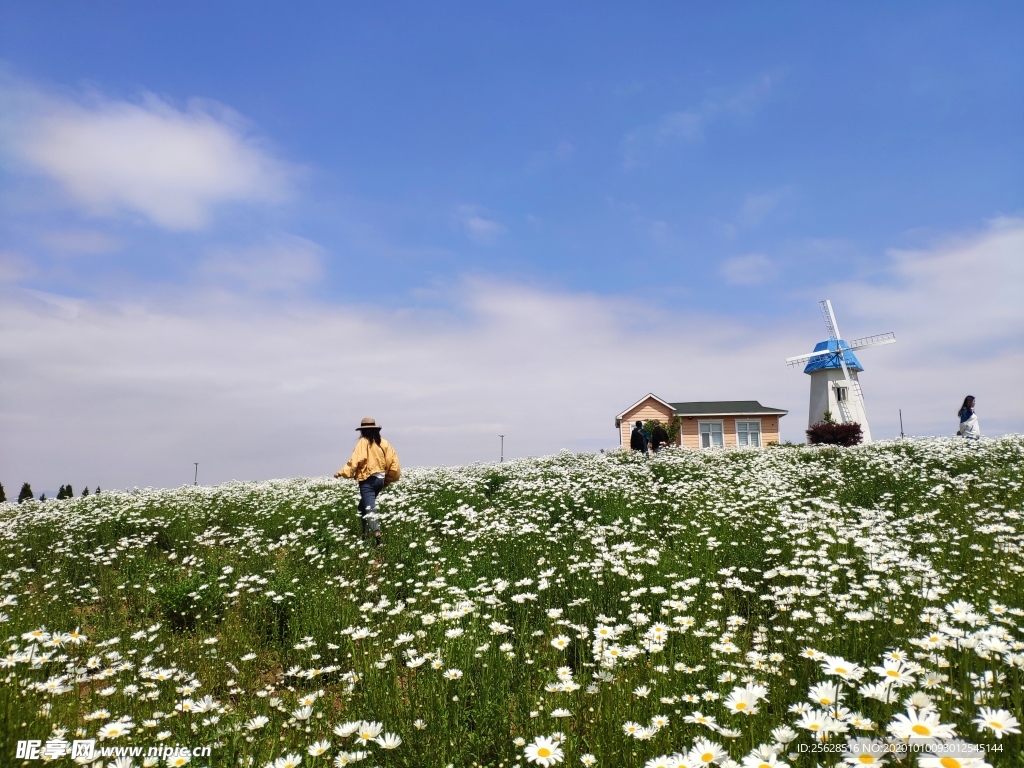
(833, 369)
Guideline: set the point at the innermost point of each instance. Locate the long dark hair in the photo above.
(968, 403)
(372, 434)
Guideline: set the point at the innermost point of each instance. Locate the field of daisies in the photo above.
(758, 608)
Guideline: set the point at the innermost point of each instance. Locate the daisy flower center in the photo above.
(921, 730)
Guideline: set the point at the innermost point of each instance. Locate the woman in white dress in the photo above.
(968, 420)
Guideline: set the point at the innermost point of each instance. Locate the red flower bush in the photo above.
(830, 433)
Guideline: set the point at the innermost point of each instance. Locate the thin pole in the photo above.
(502, 447)
(195, 480)
(901, 422)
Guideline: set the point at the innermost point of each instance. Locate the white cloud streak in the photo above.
(751, 269)
(14, 267)
(966, 290)
(474, 222)
(690, 124)
(80, 241)
(126, 394)
(113, 158)
(756, 208)
(560, 155)
(284, 264)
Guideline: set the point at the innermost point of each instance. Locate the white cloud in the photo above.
(965, 290)
(14, 267)
(473, 221)
(751, 269)
(112, 157)
(81, 241)
(283, 264)
(564, 152)
(560, 155)
(624, 90)
(134, 393)
(758, 207)
(690, 124)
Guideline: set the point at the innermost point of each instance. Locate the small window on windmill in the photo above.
(841, 394)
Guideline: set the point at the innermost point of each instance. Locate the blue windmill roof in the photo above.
(824, 362)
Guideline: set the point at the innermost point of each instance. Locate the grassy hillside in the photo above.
(712, 606)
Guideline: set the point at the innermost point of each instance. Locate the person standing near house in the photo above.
(374, 465)
(659, 437)
(637, 438)
(968, 420)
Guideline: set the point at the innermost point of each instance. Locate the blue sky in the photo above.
(663, 185)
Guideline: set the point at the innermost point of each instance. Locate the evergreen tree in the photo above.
(69, 493)
(62, 493)
(42, 497)
(3, 495)
(97, 491)
(86, 491)
(26, 492)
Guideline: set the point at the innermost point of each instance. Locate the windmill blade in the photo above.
(846, 371)
(806, 356)
(873, 341)
(830, 318)
(798, 359)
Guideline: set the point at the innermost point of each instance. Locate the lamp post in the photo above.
(195, 480)
(502, 447)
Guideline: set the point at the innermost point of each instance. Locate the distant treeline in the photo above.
(65, 492)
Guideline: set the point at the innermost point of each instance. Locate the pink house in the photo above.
(711, 424)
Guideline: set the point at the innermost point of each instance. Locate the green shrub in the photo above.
(189, 602)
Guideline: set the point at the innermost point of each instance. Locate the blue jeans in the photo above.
(368, 490)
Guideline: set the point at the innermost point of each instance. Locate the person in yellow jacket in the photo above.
(374, 465)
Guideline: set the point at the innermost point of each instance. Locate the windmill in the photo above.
(833, 369)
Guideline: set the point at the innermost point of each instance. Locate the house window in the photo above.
(711, 434)
(748, 433)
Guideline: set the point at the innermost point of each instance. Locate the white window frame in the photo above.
(760, 432)
(700, 437)
(837, 398)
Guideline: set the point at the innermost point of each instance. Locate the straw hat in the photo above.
(368, 423)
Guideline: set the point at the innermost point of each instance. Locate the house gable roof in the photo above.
(648, 396)
(709, 408)
(725, 408)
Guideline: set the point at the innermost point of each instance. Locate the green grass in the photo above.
(748, 557)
